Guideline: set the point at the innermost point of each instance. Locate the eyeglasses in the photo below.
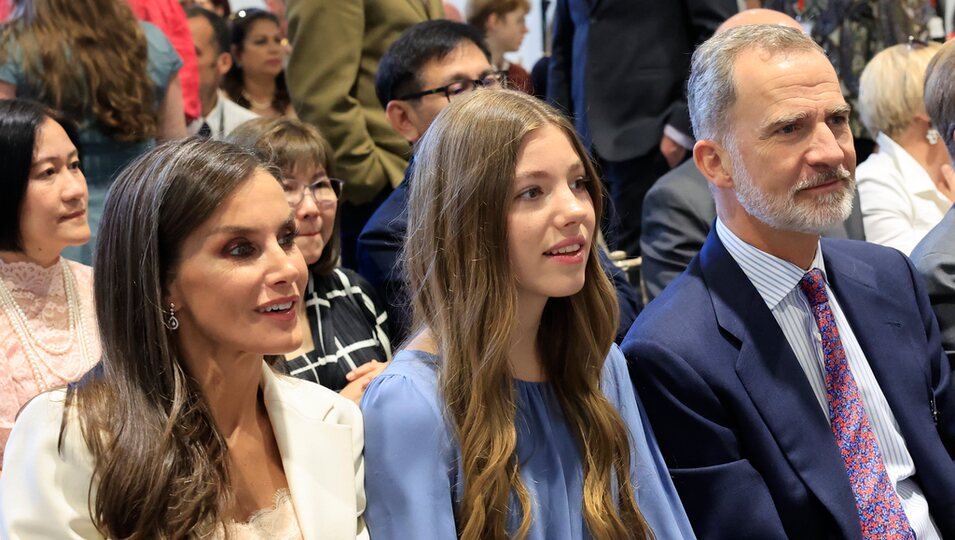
(325, 192)
(451, 91)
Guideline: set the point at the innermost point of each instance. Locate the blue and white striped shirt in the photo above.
(777, 282)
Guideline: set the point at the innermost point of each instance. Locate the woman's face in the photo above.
(508, 30)
(315, 211)
(241, 275)
(550, 224)
(53, 215)
(262, 49)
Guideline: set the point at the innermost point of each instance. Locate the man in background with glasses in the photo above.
(428, 66)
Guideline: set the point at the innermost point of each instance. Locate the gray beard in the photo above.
(784, 213)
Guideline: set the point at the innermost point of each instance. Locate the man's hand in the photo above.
(672, 151)
(360, 377)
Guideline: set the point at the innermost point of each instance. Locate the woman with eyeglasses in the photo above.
(257, 78)
(345, 327)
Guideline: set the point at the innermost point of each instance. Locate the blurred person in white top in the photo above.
(903, 190)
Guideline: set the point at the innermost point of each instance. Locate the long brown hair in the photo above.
(160, 464)
(83, 55)
(464, 293)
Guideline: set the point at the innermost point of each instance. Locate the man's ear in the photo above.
(223, 63)
(401, 116)
(713, 161)
(492, 22)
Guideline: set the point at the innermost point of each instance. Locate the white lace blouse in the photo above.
(49, 353)
(275, 523)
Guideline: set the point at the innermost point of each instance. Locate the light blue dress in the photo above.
(412, 473)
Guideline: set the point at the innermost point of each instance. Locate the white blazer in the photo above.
(900, 203)
(45, 494)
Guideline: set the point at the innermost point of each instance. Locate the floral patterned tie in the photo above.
(880, 511)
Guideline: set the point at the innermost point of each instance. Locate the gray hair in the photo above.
(711, 90)
(940, 94)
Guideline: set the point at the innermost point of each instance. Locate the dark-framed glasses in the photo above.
(451, 91)
(325, 192)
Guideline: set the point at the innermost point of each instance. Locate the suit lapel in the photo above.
(317, 458)
(879, 333)
(777, 385)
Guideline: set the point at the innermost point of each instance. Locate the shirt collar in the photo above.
(915, 175)
(773, 277)
(215, 113)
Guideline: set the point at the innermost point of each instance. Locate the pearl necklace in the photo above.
(32, 346)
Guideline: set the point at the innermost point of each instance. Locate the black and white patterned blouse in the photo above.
(349, 328)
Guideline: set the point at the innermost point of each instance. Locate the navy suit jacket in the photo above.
(379, 256)
(749, 448)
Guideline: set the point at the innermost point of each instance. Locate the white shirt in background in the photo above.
(223, 118)
(900, 203)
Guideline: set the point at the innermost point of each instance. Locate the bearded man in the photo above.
(796, 385)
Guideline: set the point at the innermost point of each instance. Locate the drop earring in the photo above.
(932, 135)
(172, 322)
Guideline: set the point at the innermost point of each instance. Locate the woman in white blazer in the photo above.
(183, 429)
(902, 189)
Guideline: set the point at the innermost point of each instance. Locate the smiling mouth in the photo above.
(566, 250)
(277, 308)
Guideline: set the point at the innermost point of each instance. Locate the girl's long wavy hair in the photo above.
(464, 292)
(84, 55)
(160, 464)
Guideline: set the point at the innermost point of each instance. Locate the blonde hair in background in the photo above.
(479, 11)
(891, 88)
(463, 291)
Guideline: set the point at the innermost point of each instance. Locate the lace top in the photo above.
(275, 523)
(40, 294)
